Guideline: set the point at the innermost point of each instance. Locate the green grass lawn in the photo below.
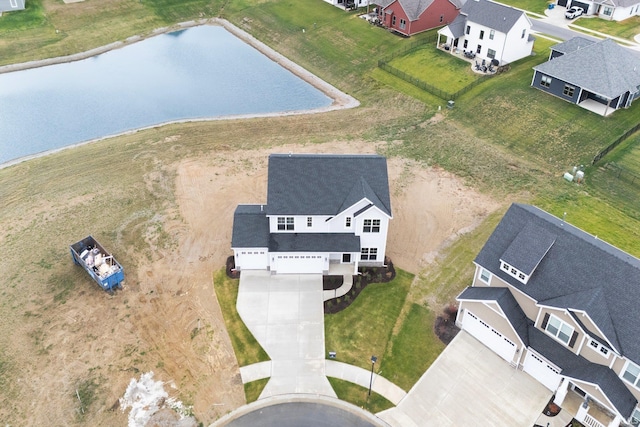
(437, 68)
(365, 328)
(626, 29)
(359, 396)
(253, 389)
(245, 346)
(537, 6)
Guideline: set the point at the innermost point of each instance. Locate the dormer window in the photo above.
(514, 272)
(599, 347)
(560, 330)
(285, 223)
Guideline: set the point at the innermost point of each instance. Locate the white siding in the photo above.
(518, 47)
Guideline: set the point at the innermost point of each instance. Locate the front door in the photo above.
(346, 258)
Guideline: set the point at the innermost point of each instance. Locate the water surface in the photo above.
(199, 72)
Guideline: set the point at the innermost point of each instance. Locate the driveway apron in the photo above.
(285, 315)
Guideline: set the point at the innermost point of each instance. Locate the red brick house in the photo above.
(410, 17)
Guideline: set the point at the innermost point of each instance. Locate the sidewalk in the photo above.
(362, 377)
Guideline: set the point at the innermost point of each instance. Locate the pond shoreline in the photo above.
(340, 100)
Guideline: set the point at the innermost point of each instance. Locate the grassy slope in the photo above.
(626, 29)
(359, 396)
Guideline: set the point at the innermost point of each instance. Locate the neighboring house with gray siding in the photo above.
(320, 210)
(601, 76)
(11, 5)
(561, 305)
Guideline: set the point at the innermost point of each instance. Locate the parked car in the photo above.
(573, 12)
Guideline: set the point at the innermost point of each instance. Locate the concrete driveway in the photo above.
(285, 314)
(470, 385)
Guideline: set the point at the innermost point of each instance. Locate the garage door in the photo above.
(583, 6)
(493, 339)
(253, 260)
(538, 368)
(300, 264)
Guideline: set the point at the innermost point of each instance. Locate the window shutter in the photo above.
(545, 321)
(574, 337)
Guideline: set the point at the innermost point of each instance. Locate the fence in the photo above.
(615, 143)
(440, 93)
(623, 174)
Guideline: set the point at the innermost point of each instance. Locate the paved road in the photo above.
(555, 31)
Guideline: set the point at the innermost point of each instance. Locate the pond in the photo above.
(195, 73)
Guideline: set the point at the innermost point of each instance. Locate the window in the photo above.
(466, 42)
(393, 20)
(309, 221)
(524, 33)
(347, 222)
(635, 418)
(596, 345)
(608, 11)
(491, 53)
(545, 81)
(604, 350)
(371, 226)
(285, 223)
(505, 266)
(468, 30)
(559, 329)
(631, 374)
(481, 34)
(521, 276)
(478, 49)
(403, 24)
(370, 254)
(485, 275)
(491, 34)
(568, 90)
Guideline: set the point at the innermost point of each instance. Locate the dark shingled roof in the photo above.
(250, 227)
(493, 15)
(314, 242)
(507, 303)
(528, 248)
(603, 67)
(571, 273)
(414, 8)
(8, 5)
(579, 368)
(572, 45)
(315, 184)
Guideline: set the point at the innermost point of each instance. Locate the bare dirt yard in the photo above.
(73, 348)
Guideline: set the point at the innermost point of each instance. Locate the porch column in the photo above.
(616, 421)
(583, 411)
(438, 42)
(561, 392)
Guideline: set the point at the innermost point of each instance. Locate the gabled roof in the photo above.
(415, 8)
(250, 227)
(576, 264)
(315, 184)
(579, 368)
(493, 15)
(456, 28)
(507, 303)
(603, 67)
(572, 45)
(528, 248)
(8, 5)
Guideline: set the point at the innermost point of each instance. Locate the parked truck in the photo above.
(100, 264)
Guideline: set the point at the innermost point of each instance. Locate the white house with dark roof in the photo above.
(611, 10)
(601, 76)
(321, 210)
(562, 305)
(11, 5)
(491, 30)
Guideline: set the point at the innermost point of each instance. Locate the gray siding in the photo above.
(556, 88)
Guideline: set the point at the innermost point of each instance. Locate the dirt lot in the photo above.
(167, 318)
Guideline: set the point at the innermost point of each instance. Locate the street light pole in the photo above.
(373, 362)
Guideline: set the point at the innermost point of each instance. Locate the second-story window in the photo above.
(632, 374)
(309, 221)
(481, 34)
(559, 329)
(371, 226)
(347, 222)
(285, 223)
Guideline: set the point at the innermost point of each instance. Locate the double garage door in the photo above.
(299, 264)
(540, 369)
(487, 335)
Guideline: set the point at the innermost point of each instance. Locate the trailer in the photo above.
(100, 264)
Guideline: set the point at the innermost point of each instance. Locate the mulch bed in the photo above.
(367, 276)
(231, 265)
(551, 410)
(445, 327)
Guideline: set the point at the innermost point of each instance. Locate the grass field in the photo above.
(359, 396)
(626, 29)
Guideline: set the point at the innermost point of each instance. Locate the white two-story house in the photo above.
(490, 30)
(562, 305)
(321, 209)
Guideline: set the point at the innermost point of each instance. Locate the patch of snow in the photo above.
(145, 397)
